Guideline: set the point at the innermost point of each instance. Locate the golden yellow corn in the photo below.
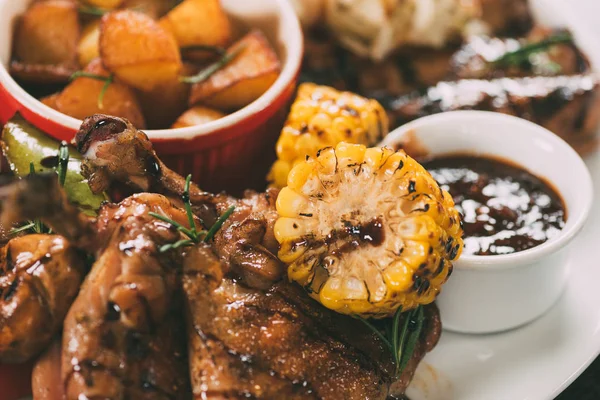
(366, 231)
(322, 116)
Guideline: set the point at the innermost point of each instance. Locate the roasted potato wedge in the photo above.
(137, 50)
(153, 8)
(45, 42)
(198, 22)
(162, 105)
(242, 80)
(79, 99)
(197, 115)
(50, 101)
(87, 49)
(104, 4)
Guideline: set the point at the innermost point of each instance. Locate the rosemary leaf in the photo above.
(396, 345)
(399, 350)
(415, 318)
(90, 10)
(212, 68)
(176, 245)
(31, 168)
(376, 331)
(523, 53)
(176, 224)
(29, 225)
(213, 229)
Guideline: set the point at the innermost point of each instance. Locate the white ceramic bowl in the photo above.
(494, 293)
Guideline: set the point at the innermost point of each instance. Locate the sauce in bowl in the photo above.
(505, 209)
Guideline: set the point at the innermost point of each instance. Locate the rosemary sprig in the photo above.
(91, 10)
(522, 54)
(62, 165)
(194, 235)
(212, 68)
(399, 339)
(108, 80)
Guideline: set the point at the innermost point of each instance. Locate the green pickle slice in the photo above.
(24, 144)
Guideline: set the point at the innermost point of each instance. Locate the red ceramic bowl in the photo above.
(231, 153)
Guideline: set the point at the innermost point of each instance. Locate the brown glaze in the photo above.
(122, 337)
(46, 382)
(115, 152)
(248, 343)
(505, 209)
(39, 278)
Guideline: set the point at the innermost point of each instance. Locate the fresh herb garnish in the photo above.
(517, 57)
(62, 165)
(212, 68)
(91, 10)
(108, 80)
(193, 234)
(399, 339)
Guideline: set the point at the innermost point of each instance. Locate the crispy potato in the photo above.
(137, 50)
(162, 105)
(198, 22)
(153, 8)
(80, 98)
(197, 115)
(105, 4)
(244, 79)
(45, 42)
(87, 49)
(50, 101)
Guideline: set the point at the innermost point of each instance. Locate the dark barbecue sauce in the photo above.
(505, 209)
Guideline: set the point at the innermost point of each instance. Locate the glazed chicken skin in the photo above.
(40, 276)
(123, 335)
(255, 337)
(280, 344)
(115, 152)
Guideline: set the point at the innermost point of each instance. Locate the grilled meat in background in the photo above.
(542, 77)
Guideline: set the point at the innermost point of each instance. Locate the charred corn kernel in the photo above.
(322, 116)
(365, 231)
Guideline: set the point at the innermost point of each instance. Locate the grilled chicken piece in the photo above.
(116, 152)
(247, 343)
(20, 200)
(46, 382)
(475, 59)
(566, 105)
(39, 278)
(122, 337)
(507, 17)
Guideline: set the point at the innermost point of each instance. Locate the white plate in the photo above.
(539, 360)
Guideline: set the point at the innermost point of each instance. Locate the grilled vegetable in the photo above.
(23, 144)
(320, 117)
(366, 231)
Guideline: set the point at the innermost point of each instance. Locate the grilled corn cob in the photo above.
(365, 231)
(322, 116)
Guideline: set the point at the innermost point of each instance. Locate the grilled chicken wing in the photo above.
(122, 336)
(247, 343)
(39, 278)
(116, 152)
